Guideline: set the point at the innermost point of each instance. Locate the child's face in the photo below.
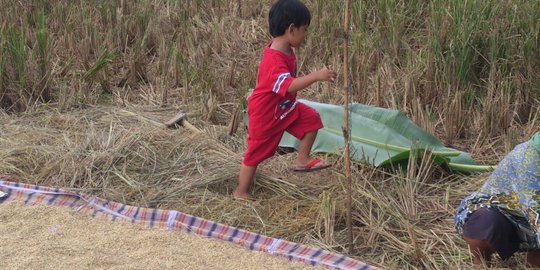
(298, 34)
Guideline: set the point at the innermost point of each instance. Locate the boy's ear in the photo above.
(290, 28)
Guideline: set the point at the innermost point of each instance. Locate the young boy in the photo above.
(272, 107)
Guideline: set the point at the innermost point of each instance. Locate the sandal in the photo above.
(311, 166)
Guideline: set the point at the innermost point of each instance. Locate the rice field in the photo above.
(85, 86)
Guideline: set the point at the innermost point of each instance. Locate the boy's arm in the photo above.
(300, 83)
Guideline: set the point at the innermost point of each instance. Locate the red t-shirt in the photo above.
(271, 109)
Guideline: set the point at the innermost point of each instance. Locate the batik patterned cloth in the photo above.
(514, 190)
(175, 221)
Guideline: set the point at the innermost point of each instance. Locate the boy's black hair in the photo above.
(286, 12)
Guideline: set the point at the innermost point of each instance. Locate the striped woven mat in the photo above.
(174, 220)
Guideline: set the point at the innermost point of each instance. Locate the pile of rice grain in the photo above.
(50, 237)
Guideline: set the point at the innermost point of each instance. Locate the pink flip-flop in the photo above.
(311, 166)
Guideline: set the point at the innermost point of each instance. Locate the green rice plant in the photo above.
(60, 13)
(497, 105)
(453, 27)
(185, 73)
(137, 70)
(100, 65)
(143, 22)
(463, 53)
(2, 67)
(107, 10)
(17, 50)
(318, 11)
(454, 115)
(528, 52)
(358, 15)
(437, 27)
(183, 12)
(167, 54)
(43, 45)
(391, 25)
(204, 91)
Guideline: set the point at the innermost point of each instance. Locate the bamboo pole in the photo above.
(346, 129)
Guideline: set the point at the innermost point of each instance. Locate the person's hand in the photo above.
(325, 74)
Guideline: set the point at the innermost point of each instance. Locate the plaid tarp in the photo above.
(175, 220)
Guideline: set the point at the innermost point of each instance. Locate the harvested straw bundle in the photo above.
(401, 219)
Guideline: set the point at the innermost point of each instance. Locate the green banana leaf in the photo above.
(380, 137)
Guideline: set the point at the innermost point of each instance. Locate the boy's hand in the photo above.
(325, 74)
(302, 82)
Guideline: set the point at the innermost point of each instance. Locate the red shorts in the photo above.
(259, 149)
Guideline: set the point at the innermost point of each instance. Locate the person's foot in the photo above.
(244, 197)
(310, 166)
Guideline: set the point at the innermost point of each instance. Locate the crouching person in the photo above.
(504, 216)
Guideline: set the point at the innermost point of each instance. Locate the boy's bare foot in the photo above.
(314, 165)
(245, 197)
